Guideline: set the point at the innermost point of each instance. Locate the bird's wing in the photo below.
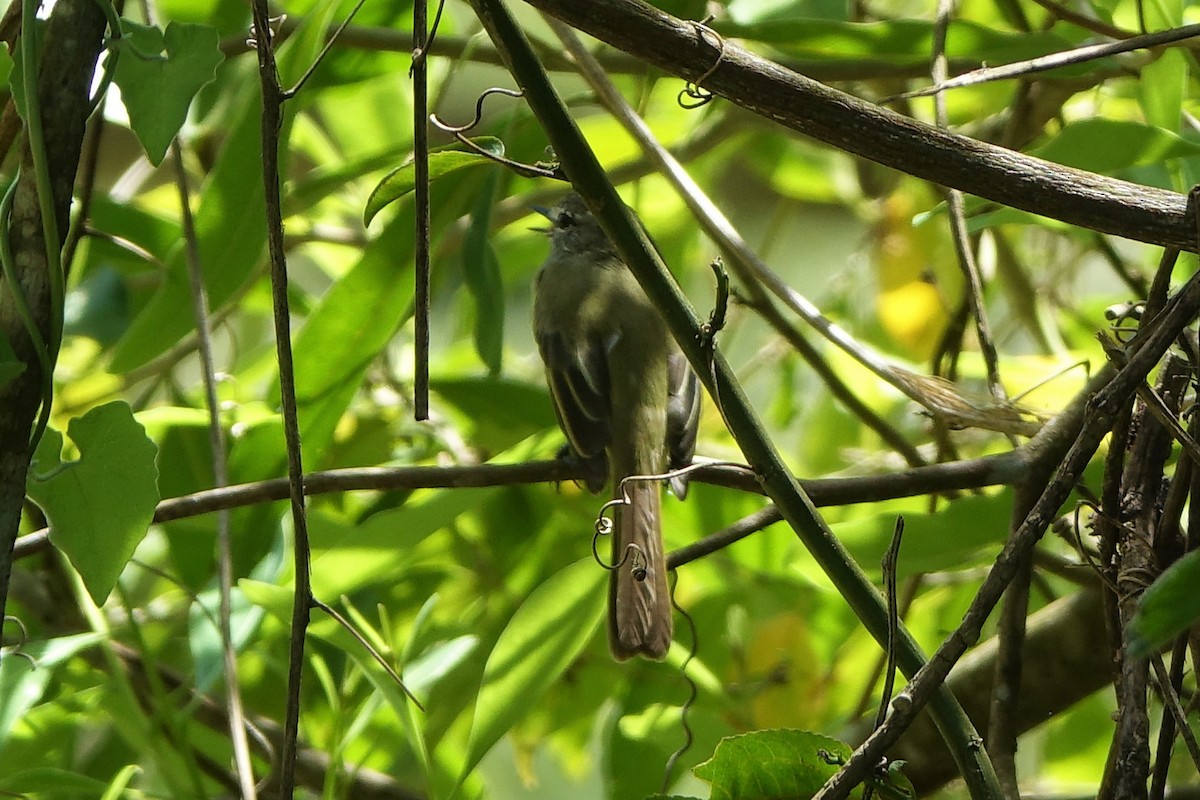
(579, 385)
(683, 416)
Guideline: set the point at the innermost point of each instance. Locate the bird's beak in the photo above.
(548, 214)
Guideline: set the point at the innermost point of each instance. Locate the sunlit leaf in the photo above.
(484, 279)
(540, 641)
(1107, 145)
(442, 161)
(100, 506)
(24, 674)
(159, 73)
(772, 765)
(230, 219)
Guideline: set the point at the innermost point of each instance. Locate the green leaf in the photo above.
(932, 542)
(119, 783)
(1161, 89)
(482, 273)
(158, 89)
(327, 179)
(25, 673)
(231, 230)
(442, 161)
(353, 322)
(1169, 607)
(1107, 145)
(100, 506)
(495, 413)
(98, 307)
(10, 365)
(540, 641)
(47, 782)
(772, 765)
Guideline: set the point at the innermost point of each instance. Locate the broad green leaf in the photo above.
(230, 219)
(1170, 606)
(353, 322)
(423, 672)
(26, 671)
(157, 89)
(1107, 145)
(944, 540)
(325, 180)
(540, 641)
(204, 638)
(50, 782)
(100, 506)
(349, 557)
(772, 765)
(98, 307)
(10, 365)
(359, 315)
(1162, 87)
(442, 161)
(484, 280)
(495, 413)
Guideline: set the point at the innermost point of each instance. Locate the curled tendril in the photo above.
(423, 53)
(273, 26)
(693, 690)
(1084, 553)
(1121, 314)
(16, 650)
(459, 132)
(605, 524)
(695, 94)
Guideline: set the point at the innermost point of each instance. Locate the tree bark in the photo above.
(73, 39)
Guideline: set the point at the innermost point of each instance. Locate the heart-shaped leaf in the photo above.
(100, 506)
(159, 74)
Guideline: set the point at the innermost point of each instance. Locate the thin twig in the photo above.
(216, 442)
(976, 473)
(1079, 55)
(330, 40)
(371, 649)
(420, 77)
(302, 601)
(891, 568)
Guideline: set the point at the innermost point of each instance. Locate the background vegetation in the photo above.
(478, 582)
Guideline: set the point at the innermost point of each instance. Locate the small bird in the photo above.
(625, 397)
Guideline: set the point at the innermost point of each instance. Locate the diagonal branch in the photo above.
(1092, 201)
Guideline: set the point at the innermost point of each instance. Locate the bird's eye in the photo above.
(565, 219)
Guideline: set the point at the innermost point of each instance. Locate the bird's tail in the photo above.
(639, 602)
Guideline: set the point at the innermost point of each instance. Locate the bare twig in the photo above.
(216, 442)
(1033, 66)
(420, 78)
(273, 98)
